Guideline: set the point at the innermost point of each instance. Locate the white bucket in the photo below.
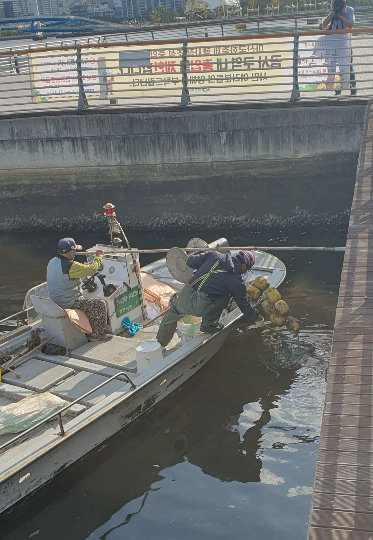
(189, 325)
(148, 354)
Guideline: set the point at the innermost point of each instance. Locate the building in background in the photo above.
(99, 9)
(135, 9)
(121, 9)
(13, 8)
(78, 9)
(8, 10)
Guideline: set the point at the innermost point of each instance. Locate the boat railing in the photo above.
(18, 319)
(58, 414)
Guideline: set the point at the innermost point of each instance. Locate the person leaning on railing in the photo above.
(64, 286)
(341, 17)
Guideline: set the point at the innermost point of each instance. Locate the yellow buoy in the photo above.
(281, 307)
(273, 295)
(267, 308)
(261, 282)
(253, 293)
(277, 320)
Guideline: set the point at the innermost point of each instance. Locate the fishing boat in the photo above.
(102, 386)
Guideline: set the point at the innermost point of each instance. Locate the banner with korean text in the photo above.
(324, 62)
(253, 66)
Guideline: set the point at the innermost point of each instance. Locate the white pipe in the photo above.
(221, 249)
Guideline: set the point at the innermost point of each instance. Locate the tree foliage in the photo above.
(161, 15)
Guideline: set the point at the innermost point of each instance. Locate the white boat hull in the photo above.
(42, 466)
(33, 462)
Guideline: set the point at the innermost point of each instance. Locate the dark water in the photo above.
(232, 453)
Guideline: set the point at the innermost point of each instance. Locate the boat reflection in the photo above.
(200, 424)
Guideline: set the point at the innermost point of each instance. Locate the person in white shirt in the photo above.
(342, 17)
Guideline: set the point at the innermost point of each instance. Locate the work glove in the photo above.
(252, 319)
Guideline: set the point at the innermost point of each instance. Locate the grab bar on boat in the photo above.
(15, 315)
(59, 413)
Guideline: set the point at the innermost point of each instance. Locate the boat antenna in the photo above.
(114, 226)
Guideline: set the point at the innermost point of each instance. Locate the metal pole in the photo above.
(15, 58)
(185, 98)
(221, 249)
(82, 101)
(295, 95)
(62, 430)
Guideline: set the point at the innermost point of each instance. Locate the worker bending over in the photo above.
(216, 280)
(64, 286)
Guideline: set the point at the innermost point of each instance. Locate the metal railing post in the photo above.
(185, 98)
(82, 100)
(62, 429)
(15, 62)
(295, 95)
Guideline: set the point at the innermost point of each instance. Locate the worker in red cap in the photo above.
(64, 286)
(217, 279)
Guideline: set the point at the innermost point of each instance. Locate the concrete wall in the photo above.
(197, 161)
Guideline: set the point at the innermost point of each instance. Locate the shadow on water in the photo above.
(231, 453)
(220, 456)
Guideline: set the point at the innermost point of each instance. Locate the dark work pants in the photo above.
(190, 302)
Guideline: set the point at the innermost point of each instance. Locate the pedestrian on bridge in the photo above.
(342, 17)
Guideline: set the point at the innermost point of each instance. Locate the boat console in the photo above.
(119, 271)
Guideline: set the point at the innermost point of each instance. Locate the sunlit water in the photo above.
(231, 454)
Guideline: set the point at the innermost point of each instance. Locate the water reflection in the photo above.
(232, 453)
(246, 419)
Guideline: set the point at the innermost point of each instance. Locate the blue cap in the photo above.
(67, 244)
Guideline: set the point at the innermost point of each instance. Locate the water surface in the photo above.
(230, 454)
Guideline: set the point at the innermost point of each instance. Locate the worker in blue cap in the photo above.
(217, 279)
(64, 286)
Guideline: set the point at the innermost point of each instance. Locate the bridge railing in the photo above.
(287, 66)
(301, 21)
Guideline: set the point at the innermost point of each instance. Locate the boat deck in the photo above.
(342, 506)
(69, 377)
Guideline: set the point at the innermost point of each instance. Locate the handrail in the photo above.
(15, 315)
(59, 413)
(137, 43)
(219, 68)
